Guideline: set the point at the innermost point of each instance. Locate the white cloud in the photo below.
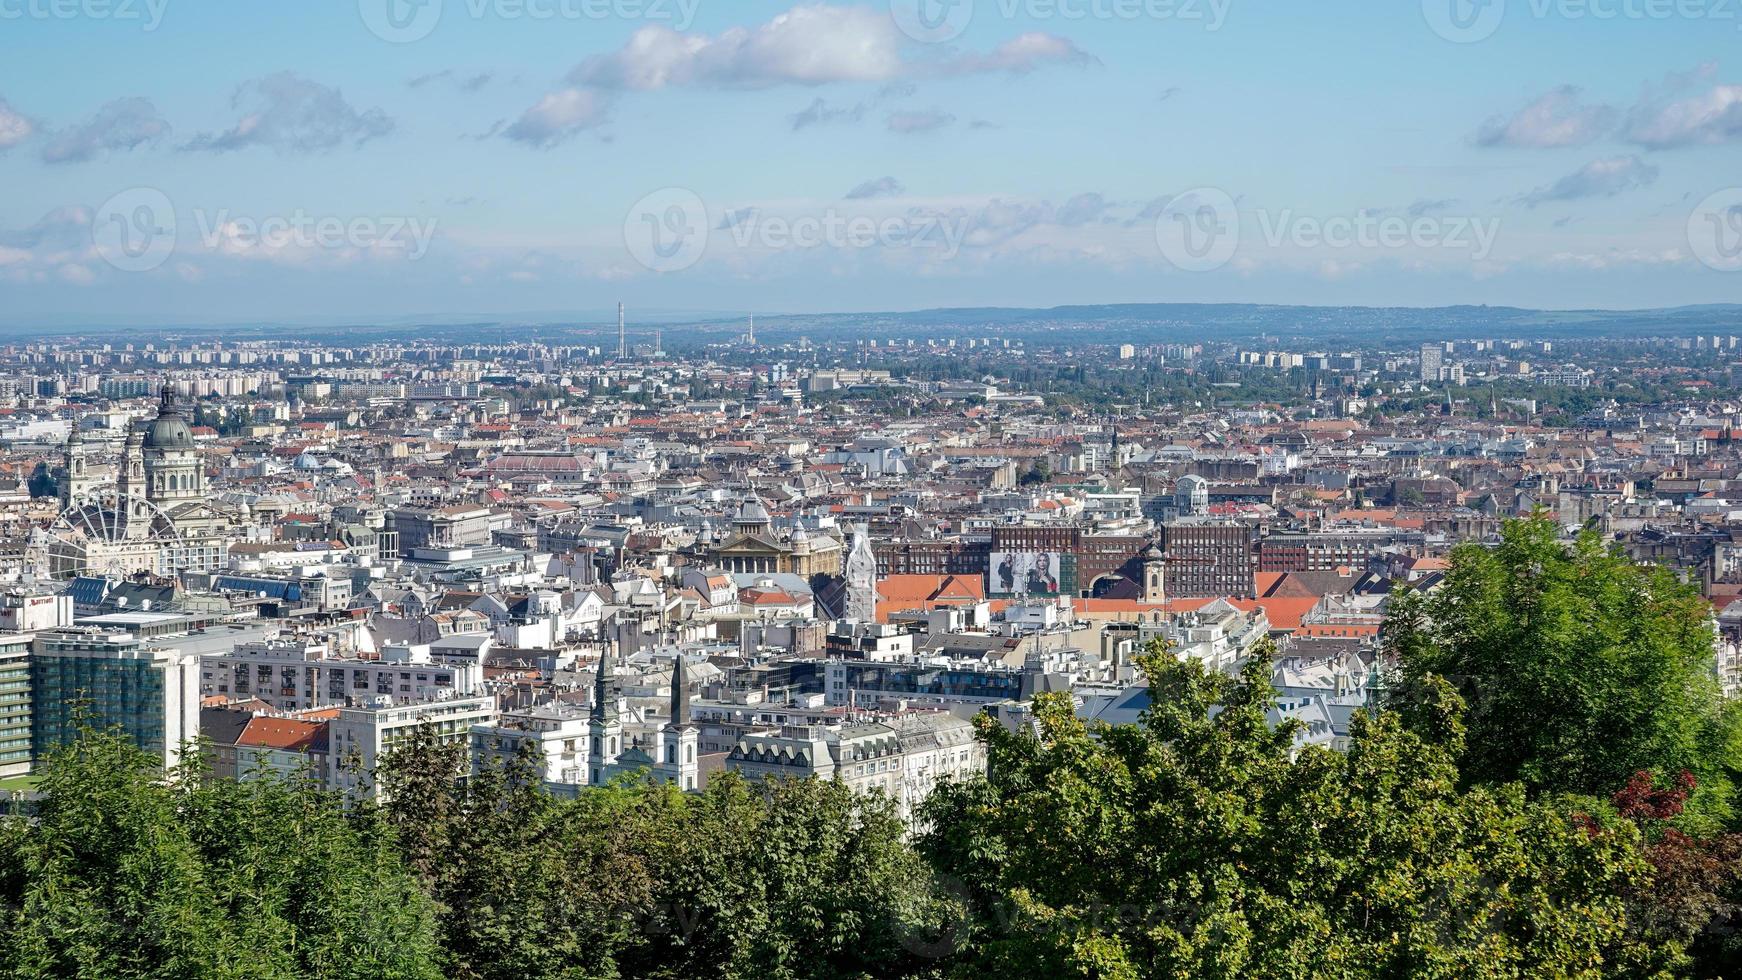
(1020, 55)
(75, 274)
(124, 124)
(880, 187)
(292, 114)
(919, 121)
(819, 112)
(1599, 178)
(808, 45)
(1554, 119)
(558, 116)
(15, 128)
(1710, 117)
(1615, 258)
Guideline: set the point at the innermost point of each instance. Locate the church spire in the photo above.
(680, 693)
(604, 687)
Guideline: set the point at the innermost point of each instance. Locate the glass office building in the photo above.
(14, 704)
(151, 694)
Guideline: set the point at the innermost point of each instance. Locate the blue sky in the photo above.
(274, 161)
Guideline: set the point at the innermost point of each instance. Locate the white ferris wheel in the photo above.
(103, 532)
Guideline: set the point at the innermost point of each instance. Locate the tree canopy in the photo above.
(1580, 668)
(126, 874)
(1202, 842)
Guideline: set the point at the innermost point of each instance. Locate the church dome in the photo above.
(169, 430)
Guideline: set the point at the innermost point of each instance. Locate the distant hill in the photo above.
(1113, 323)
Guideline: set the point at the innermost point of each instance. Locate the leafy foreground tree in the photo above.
(127, 874)
(1580, 669)
(795, 878)
(1695, 892)
(1200, 843)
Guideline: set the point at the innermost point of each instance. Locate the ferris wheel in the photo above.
(102, 532)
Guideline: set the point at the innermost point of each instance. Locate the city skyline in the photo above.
(475, 158)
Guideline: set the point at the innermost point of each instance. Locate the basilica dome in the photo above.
(169, 430)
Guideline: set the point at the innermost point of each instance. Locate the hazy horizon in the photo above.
(405, 158)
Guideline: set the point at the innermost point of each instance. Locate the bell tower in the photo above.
(1154, 576)
(605, 722)
(677, 763)
(77, 478)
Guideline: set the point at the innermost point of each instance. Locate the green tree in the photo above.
(789, 878)
(792, 878)
(125, 872)
(1204, 842)
(1580, 668)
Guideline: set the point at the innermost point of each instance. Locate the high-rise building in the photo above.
(1433, 358)
(14, 704)
(104, 679)
(1207, 558)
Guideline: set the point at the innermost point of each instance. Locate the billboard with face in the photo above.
(1038, 573)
